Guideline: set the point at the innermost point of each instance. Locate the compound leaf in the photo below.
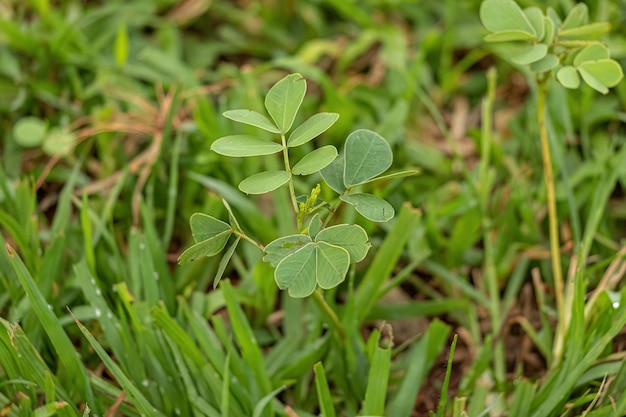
(296, 272)
(205, 227)
(284, 99)
(264, 182)
(366, 155)
(530, 54)
(244, 145)
(280, 248)
(315, 161)
(250, 117)
(545, 64)
(568, 77)
(312, 128)
(351, 237)
(332, 263)
(370, 206)
(591, 53)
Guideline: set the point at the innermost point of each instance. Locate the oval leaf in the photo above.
(546, 63)
(591, 53)
(280, 248)
(504, 15)
(296, 272)
(208, 247)
(509, 35)
(351, 237)
(244, 145)
(59, 142)
(312, 128)
(205, 227)
(550, 29)
(530, 54)
(366, 155)
(315, 161)
(591, 31)
(568, 77)
(332, 265)
(264, 182)
(252, 118)
(535, 17)
(578, 16)
(315, 225)
(606, 71)
(29, 132)
(333, 174)
(284, 99)
(370, 206)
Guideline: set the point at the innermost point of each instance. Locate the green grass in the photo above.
(96, 317)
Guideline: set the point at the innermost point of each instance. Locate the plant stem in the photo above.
(249, 239)
(323, 305)
(555, 252)
(292, 190)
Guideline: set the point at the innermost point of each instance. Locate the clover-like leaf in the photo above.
(591, 31)
(504, 15)
(283, 100)
(312, 128)
(545, 64)
(278, 249)
(530, 54)
(370, 206)
(568, 77)
(244, 145)
(250, 117)
(601, 74)
(297, 272)
(578, 16)
(535, 17)
(315, 161)
(332, 263)
(333, 174)
(264, 182)
(210, 234)
(593, 52)
(366, 155)
(351, 237)
(29, 131)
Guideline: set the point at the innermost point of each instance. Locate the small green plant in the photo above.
(569, 51)
(318, 254)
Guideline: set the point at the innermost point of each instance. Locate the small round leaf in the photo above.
(315, 161)
(59, 142)
(244, 145)
(29, 132)
(351, 237)
(568, 77)
(530, 54)
(366, 155)
(606, 71)
(545, 64)
(264, 182)
(296, 272)
(370, 206)
(591, 53)
(332, 265)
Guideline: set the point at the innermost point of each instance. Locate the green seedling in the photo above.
(565, 50)
(318, 254)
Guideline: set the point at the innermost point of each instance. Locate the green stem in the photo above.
(249, 239)
(555, 252)
(292, 191)
(323, 305)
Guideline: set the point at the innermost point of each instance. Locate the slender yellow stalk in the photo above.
(555, 252)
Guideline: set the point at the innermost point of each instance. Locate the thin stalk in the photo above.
(249, 239)
(323, 305)
(292, 191)
(555, 253)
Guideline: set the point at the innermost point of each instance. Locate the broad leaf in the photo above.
(607, 71)
(333, 174)
(29, 131)
(370, 206)
(205, 227)
(278, 249)
(296, 272)
(578, 16)
(530, 54)
(312, 128)
(252, 118)
(509, 35)
(568, 77)
(352, 238)
(366, 155)
(264, 182)
(244, 145)
(591, 53)
(315, 161)
(545, 64)
(504, 15)
(284, 99)
(208, 247)
(332, 264)
(536, 19)
(591, 31)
